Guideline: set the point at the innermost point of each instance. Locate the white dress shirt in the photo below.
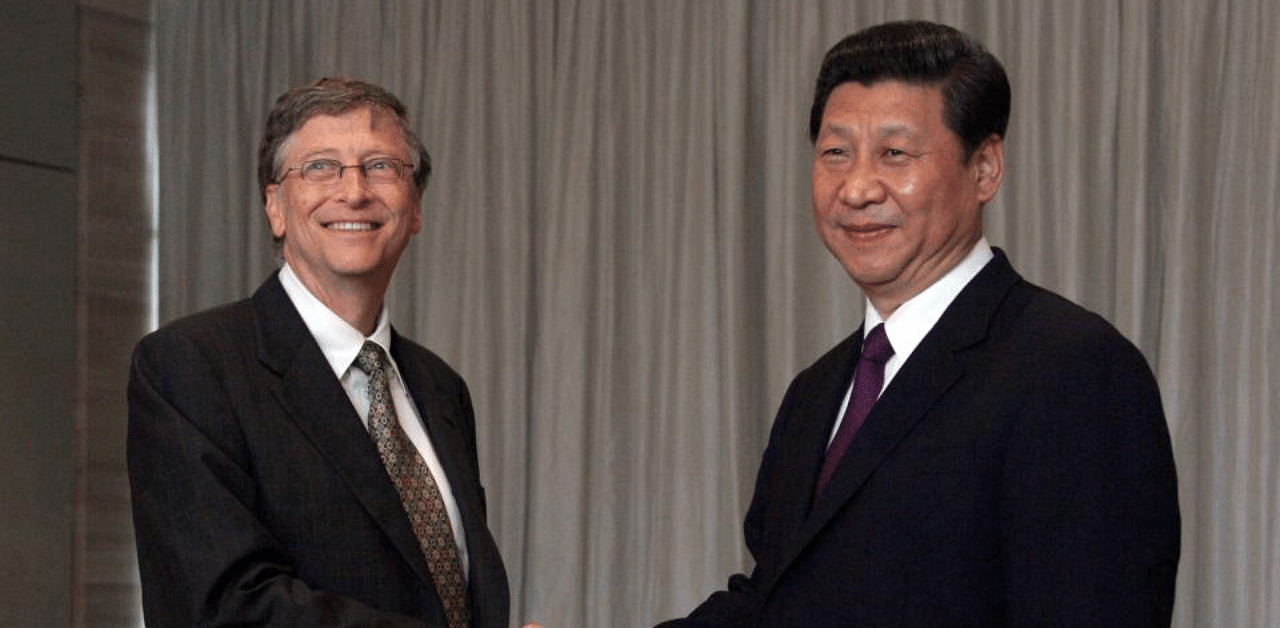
(912, 321)
(341, 343)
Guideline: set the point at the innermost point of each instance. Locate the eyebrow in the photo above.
(332, 153)
(897, 129)
(890, 130)
(318, 153)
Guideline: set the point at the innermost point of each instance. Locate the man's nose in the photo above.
(353, 185)
(863, 186)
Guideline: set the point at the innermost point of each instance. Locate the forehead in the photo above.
(883, 107)
(356, 132)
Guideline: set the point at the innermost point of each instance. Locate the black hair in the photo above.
(975, 89)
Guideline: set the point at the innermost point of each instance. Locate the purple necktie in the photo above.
(867, 381)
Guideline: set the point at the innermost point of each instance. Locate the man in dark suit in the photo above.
(293, 460)
(1015, 469)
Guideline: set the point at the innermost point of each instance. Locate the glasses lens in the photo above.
(320, 170)
(378, 170)
(382, 169)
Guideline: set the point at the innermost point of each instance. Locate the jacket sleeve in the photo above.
(739, 604)
(1090, 523)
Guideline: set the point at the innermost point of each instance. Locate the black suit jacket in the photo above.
(259, 498)
(1017, 471)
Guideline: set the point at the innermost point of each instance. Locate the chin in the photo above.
(362, 271)
(867, 276)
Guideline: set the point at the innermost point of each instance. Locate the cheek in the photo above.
(823, 220)
(823, 196)
(819, 182)
(909, 186)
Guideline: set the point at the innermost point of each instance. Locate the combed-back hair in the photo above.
(331, 96)
(974, 87)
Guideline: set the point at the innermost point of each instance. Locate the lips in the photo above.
(352, 226)
(865, 234)
(866, 228)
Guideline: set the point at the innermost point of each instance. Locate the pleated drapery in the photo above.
(618, 253)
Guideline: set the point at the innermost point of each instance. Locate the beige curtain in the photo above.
(619, 256)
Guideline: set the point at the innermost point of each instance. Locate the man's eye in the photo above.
(320, 165)
(379, 164)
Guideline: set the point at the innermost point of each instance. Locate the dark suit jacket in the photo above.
(258, 496)
(1017, 471)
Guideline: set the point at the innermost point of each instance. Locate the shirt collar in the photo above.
(338, 340)
(911, 322)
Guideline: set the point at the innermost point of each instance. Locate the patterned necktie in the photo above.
(867, 382)
(417, 489)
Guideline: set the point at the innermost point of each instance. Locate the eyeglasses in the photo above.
(376, 170)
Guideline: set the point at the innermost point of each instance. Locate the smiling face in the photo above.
(347, 234)
(893, 198)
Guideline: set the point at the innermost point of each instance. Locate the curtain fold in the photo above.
(618, 254)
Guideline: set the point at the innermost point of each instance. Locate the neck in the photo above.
(888, 298)
(359, 310)
(885, 306)
(358, 301)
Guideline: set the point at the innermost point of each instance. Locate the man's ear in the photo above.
(415, 221)
(275, 210)
(988, 167)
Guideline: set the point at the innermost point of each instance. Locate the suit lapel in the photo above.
(440, 423)
(439, 413)
(315, 401)
(446, 415)
(933, 368)
(815, 413)
(902, 405)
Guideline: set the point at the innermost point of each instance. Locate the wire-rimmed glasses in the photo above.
(376, 170)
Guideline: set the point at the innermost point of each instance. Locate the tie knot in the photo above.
(371, 358)
(876, 346)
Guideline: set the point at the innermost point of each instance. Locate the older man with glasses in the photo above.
(294, 461)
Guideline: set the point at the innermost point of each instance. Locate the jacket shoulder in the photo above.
(215, 330)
